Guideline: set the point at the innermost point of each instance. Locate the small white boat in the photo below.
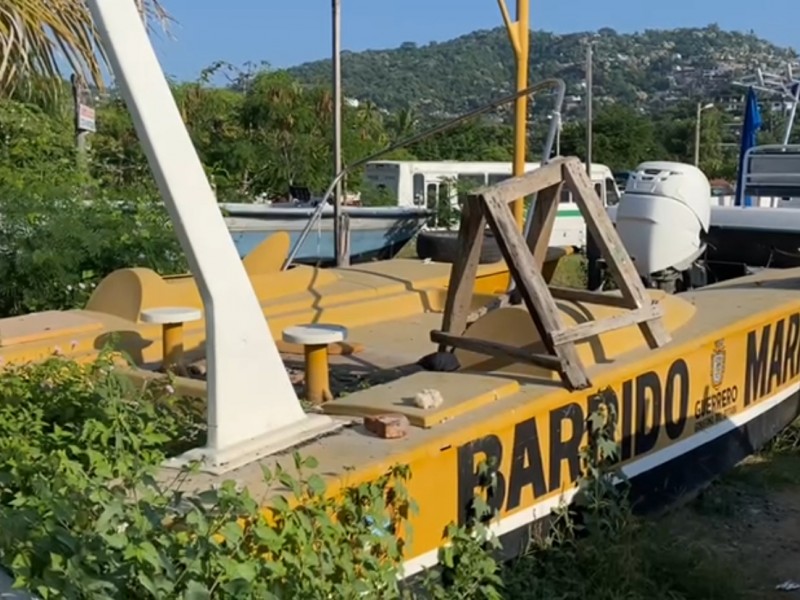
(375, 232)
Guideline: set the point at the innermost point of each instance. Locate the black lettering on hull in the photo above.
(755, 374)
(526, 464)
(565, 450)
(791, 356)
(650, 402)
(676, 393)
(626, 450)
(470, 478)
(772, 358)
(776, 357)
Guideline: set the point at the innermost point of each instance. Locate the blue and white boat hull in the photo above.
(375, 233)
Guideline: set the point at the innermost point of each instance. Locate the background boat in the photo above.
(375, 232)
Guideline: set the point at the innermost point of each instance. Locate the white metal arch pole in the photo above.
(252, 406)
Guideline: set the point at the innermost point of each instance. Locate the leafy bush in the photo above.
(55, 246)
(84, 513)
(60, 231)
(35, 146)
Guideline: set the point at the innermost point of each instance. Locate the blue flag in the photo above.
(750, 127)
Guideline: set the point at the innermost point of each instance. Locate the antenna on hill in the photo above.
(786, 85)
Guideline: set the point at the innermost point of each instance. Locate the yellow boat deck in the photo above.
(480, 406)
(706, 314)
(355, 296)
(490, 406)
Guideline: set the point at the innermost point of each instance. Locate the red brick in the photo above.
(389, 426)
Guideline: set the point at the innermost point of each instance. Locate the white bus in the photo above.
(432, 184)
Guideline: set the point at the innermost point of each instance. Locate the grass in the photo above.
(735, 541)
(409, 250)
(571, 272)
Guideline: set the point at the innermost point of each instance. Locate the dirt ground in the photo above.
(751, 520)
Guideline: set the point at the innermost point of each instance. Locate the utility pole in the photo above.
(698, 123)
(340, 245)
(697, 134)
(589, 102)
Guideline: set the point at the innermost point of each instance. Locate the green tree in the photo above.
(476, 140)
(403, 123)
(622, 138)
(117, 158)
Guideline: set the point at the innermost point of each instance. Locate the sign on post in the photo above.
(84, 106)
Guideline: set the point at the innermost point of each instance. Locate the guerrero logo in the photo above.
(718, 363)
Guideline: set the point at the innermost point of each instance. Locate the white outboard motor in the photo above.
(662, 217)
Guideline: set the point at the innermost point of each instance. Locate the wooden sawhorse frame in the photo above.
(525, 257)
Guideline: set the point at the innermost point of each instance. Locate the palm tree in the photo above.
(37, 35)
(403, 123)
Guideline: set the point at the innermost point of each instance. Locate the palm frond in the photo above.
(39, 38)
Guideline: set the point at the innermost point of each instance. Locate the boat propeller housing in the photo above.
(663, 216)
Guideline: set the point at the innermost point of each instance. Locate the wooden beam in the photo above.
(590, 329)
(532, 288)
(550, 264)
(619, 262)
(465, 267)
(559, 293)
(588, 297)
(501, 301)
(606, 237)
(544, 217)
(525, 258)
(496, 350)
(531, 182)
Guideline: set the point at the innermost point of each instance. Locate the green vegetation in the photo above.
(571, 272)
(255, 137)
(645, 70)
(62, 230)
(67, 224)
(646, 86)
(84, 514)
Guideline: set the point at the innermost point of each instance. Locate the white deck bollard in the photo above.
(315, 339)
(171, 319)
(252, 407)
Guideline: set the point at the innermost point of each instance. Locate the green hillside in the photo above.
(651, 69)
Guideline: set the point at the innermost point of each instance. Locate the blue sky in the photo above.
(290, 32)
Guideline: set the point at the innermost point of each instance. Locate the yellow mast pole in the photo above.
(519, 35)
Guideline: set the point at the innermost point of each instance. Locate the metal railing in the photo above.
(555, 123)
(771, 171)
